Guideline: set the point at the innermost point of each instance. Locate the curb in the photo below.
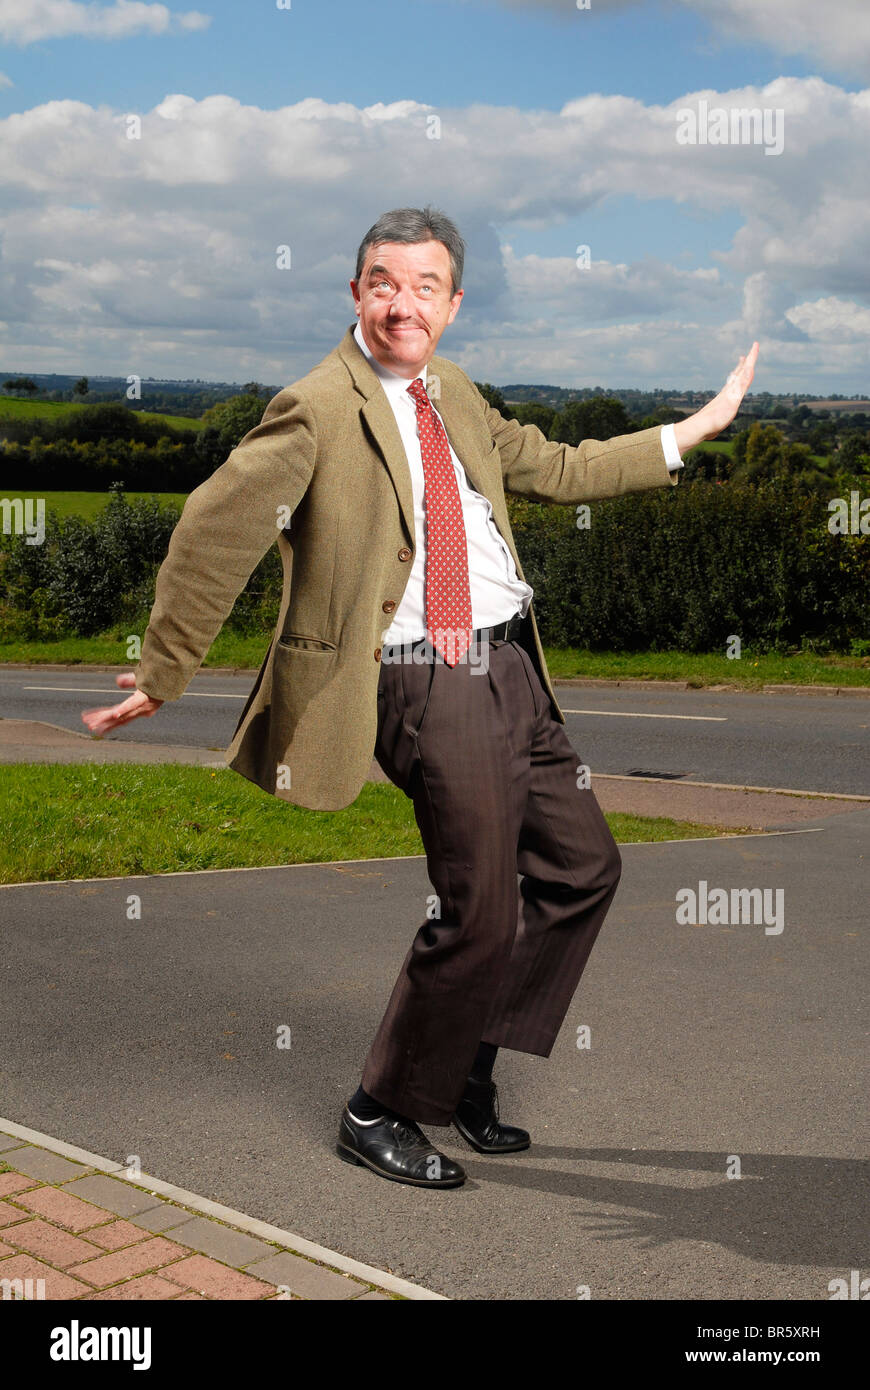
(379, 1277)
(733, 787)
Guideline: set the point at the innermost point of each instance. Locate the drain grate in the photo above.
(647, 772)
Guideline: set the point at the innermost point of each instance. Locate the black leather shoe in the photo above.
(396, 1149)
(476, 1119)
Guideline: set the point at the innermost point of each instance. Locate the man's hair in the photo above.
(411, 226)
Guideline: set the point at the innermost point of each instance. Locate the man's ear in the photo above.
(454, 305)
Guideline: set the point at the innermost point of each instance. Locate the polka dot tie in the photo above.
(448, 597)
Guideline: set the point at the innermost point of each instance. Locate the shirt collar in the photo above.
(393, 384)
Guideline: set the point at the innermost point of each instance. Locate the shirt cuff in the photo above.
(669, 444)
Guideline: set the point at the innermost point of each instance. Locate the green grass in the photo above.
(715, 446)
(87, 504)
(16, 408)
(700, 669)
(726, 446)
(102, 821)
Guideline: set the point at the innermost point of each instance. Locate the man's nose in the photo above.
(401, 304)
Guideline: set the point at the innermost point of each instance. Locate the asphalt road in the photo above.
(157, 1037)
(802, 742)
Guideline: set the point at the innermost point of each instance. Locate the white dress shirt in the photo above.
(497, 592)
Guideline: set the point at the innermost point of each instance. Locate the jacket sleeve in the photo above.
(226, 527)
(545, 471)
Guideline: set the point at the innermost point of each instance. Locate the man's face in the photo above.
(404, 303)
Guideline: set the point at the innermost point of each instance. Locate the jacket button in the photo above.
(377, 653)
(404, 553)
(388, 605)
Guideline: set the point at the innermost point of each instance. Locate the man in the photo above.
(382, 473)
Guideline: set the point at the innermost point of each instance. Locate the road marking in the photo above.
(625, 714)
(100, 690)
(732, 787)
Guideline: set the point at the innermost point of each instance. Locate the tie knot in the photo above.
(418, 391)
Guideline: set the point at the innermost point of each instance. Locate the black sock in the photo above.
(364, 1107)
(481, 1067)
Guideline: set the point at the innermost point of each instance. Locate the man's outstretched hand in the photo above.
(713, 417)
(100, 721)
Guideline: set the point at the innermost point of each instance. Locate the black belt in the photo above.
(502, 632)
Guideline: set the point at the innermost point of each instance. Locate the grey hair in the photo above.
(411, 226)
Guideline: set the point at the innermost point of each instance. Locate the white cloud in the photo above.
(159, 254)
(6, 81)
(833, 321)
(834, 33)
(28, 21)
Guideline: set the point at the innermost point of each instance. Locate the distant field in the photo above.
(87, 504)
(12, 407)
(715, 446)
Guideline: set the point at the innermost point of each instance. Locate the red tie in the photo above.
(448, 598)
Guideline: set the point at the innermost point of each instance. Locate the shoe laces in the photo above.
(406, 1131)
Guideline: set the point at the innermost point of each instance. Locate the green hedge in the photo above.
(688, 567)
(681, 568)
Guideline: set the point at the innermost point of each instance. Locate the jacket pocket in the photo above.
(295, 642)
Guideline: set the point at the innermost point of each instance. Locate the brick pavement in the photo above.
(74, 1232)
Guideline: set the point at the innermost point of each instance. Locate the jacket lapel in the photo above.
(381, 423)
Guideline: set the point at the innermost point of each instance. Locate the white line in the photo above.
(157, 1187)
(101, 690)
(184, 873)
(621, 714)
(211, 695)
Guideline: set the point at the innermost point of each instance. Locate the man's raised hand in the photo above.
(100, 721)
(713, 417)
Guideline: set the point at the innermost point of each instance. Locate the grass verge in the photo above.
(698, 668)
(80, 821)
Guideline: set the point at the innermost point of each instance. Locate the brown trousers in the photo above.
(494, 782)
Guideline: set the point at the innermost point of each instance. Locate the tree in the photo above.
(102, 422)
(763, 452)
(603, 417)
(81, 387)
(852, 455)
(229, 421)
(493, 396)
(535, 413)
(251, 388)
(663, 415)
(23, 384)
